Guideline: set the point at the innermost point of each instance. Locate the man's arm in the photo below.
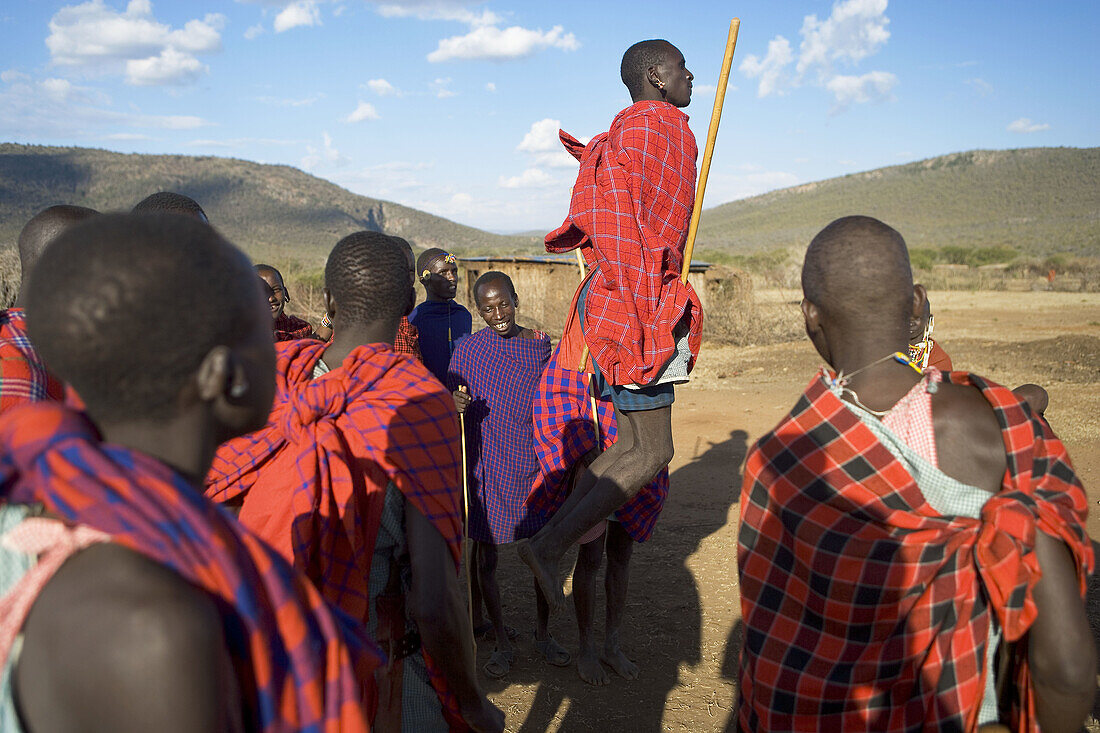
(118, 642)
(1060, 646)
(435, 604)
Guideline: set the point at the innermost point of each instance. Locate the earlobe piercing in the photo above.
(238, 389)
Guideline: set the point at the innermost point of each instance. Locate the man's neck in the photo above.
(173, 443)
(879, 385)
(433, 298)
(347, 338)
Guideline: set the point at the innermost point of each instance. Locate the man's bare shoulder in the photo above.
(118, 638)
(969, 442)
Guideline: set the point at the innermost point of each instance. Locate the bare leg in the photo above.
(620, 475)
(490, 592)
(620, 546)
(584, 599)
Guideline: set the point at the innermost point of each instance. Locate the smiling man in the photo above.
(500, 366)
(286, 327)
(440, 322)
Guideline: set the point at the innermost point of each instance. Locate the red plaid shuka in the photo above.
(865, 609)
(289, 328)
(407, 340)
(629, 214)
(309, 666)
(564, 433)
(23, 376)
(314, 478)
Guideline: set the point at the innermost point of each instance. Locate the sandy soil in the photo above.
(683, 617)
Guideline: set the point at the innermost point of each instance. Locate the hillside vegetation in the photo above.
(273, 212)
(1036, 201)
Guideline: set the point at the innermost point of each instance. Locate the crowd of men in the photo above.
(261, 525)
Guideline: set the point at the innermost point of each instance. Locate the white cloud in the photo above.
(301, 13)
(771, 69)
(12, 75)
(854, 30)
(530, 178)
(874, 86)
(491, 42)
(1024, 125)
(253, 31)
(52, 108)
(556, 159)
(235, 142)
(327, 154)
(365, 111)
(542, 137)
(170, 67)
(981, 86)
(381, 87)
(94, 37)
(490, 86)
(441, 90)
(438, 10)
(291, 102)
(127, 136)
(57, 88)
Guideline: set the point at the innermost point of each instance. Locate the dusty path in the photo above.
(683, 614)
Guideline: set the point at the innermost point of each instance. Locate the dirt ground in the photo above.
(683, 617)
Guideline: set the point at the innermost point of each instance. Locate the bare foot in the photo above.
(545, 575)
(614, 658)
(590, 669)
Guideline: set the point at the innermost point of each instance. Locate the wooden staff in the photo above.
(708, 152)
(584, 359)
(466, 528)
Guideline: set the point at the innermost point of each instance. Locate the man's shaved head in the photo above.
(427, 257)
(857, 272)
(637, 62)
(493, 276)
(262, 270)
(43, 228)
(368, 276)
(167, 202)
(126, 307)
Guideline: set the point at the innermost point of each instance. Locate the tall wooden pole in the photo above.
(708, 151)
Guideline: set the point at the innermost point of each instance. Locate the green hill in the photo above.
(1039, 201)
(272, 211)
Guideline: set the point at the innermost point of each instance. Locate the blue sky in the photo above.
(452, 107)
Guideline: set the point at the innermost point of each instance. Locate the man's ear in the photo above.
(920, 298)
(329, 302)
(218, 376)
(812, 315)
(654, 78)
(515, 300)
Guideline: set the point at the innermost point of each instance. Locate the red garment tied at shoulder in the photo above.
(629, 214)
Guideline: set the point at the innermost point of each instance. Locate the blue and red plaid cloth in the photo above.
(23, 376)
(310, 666)
(314, 478)
(629, 214)
(502, 375)
(564, 433)
(288, 328)
(864, 608)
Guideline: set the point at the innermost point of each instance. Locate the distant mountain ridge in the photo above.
(1038, 200)
(271, 211)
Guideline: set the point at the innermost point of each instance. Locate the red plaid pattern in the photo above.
(310, 665)
(407, 340)
(288, 328)
(631, 207)
(564, 433)
(23, 376)
(863, 607)
(316, 475)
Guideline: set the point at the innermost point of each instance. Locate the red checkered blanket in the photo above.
(864, 608)
(629, 213)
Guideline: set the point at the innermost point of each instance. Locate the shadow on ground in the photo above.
(663, 624)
